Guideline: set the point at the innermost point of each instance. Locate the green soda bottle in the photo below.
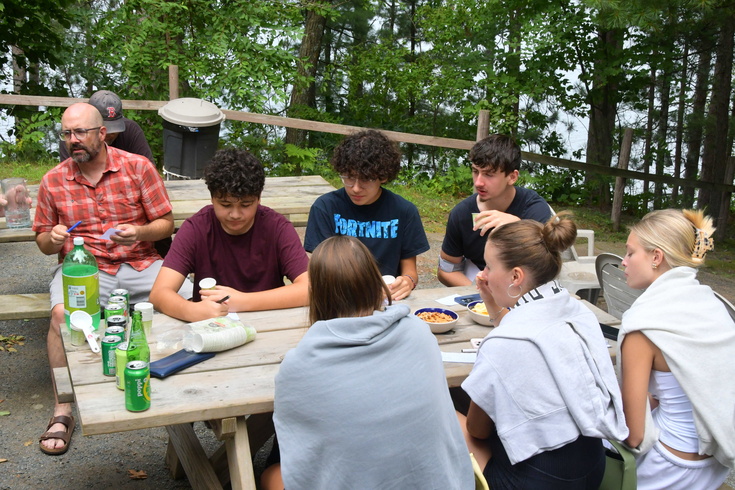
(138, 349)
(80, 278)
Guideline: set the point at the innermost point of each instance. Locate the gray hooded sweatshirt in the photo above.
(363, 403)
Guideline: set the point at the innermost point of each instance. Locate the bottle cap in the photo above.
(78, 241)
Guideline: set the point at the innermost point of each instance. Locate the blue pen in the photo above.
(74, 226)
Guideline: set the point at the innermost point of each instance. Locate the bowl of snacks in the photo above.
(440, 320)
(479, 313)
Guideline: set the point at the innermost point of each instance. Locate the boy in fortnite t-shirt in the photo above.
(389, 225)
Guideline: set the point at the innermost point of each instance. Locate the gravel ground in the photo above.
(101, 461)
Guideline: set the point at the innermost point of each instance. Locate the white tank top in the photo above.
(674, 415)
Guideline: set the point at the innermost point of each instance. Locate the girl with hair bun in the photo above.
(543, 387)
(677, 345)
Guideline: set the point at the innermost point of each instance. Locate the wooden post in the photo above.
(721, 223)
(173, 82)
(623, 161)
(483, 124)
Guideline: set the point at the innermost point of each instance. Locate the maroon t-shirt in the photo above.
(255, 261)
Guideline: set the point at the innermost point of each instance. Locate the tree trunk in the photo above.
(648, 140)
(303, 95)
(680, 122)
(695, 123)
(20, 76)
(514, 65)
(603, 109)
(716, 153)
(410, 148)
(662, 149)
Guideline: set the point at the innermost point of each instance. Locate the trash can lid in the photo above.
(189, 111)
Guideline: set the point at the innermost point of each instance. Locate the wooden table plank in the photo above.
(286, 195)
(182, 398)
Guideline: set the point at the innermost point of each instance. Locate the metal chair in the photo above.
(620, 468)
(618, 295)
(728, 305)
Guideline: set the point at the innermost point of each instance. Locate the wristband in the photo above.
(412, 281)
(447, 266)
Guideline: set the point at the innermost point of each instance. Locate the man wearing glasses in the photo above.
(389, 225)
(122, 133)
(101, 187)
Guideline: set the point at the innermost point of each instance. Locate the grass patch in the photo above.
(434, 208)
(31, 171)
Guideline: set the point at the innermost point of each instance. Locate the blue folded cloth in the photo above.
(465, 300)
(177, 361)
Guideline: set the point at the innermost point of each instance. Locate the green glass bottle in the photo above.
(80, 278)
(138, 349)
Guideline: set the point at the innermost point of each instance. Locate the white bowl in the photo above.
(442, 327)
(478, 317)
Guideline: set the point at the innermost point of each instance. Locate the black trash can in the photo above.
(190, 136)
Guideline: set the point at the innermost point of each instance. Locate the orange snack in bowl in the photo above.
(435, 317)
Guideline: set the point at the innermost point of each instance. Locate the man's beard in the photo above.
(87, 154)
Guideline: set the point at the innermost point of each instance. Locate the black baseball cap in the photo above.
(110, 106)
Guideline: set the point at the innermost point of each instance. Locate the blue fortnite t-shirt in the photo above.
(390, 227)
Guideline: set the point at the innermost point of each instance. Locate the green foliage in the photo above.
(563, 186)
(35, 27)
(455, 180)
(416, 66)
(303, 161)
(32, 136)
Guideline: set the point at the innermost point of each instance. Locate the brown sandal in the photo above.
(64, 436)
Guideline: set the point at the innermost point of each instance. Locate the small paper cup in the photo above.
(207, 283)
(474, 218)
(77, 336)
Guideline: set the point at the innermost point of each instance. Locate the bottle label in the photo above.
(77, 296)
(82, 292)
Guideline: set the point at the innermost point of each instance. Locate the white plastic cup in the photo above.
(388, 279)
(146, 313)
(207, 283)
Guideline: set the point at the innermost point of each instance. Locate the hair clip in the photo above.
(702, 244)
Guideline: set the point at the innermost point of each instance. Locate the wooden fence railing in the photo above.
(289, 122)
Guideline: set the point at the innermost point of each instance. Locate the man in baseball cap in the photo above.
(122, 133)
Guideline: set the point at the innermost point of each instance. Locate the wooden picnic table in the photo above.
(233, 391)
(290, 196)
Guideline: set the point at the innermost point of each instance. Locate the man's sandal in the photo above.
(64, 436)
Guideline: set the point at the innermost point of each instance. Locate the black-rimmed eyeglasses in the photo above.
(80, 133)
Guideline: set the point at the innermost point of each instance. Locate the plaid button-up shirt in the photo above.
(130, 191)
